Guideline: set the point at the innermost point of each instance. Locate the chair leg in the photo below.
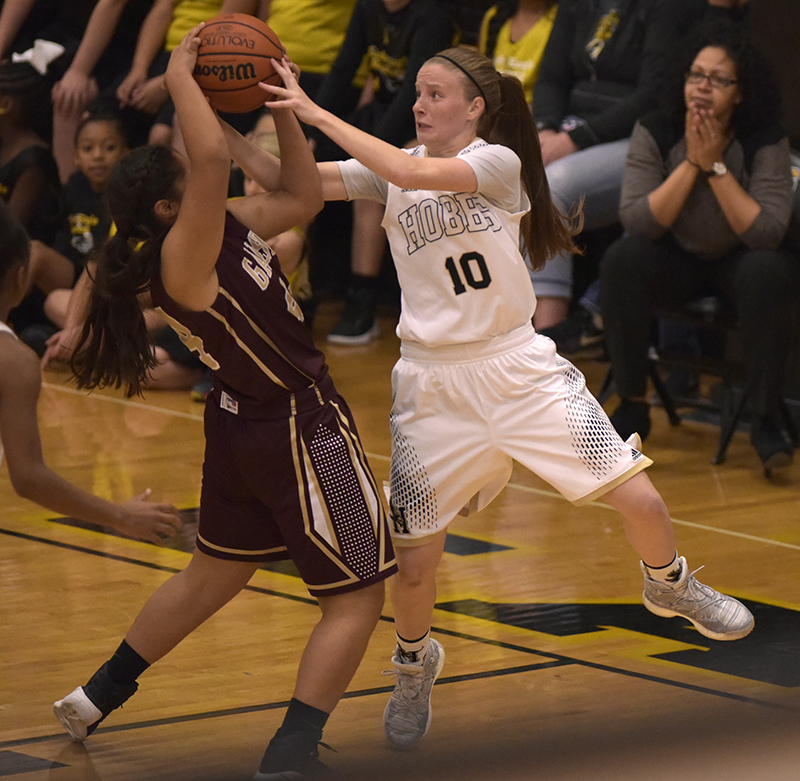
(791, 427)
(728, 422)
(607, 388)
(665, 396)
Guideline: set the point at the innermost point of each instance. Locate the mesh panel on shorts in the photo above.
(343, 494)
(595, 441)
(413, 500)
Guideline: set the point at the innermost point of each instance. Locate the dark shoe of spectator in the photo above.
(36, 336)
(632, 417)
(358, 323)
(580, 332)
(773, 446)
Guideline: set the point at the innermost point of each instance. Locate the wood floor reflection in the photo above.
(554, 669)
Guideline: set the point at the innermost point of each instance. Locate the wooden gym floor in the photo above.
(554, 669)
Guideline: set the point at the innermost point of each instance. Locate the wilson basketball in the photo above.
(234, 55)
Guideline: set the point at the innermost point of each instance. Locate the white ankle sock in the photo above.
(413, 650)
(670, 574)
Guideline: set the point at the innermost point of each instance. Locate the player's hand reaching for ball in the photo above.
(295, 68)
(290, 95)
(184, 55)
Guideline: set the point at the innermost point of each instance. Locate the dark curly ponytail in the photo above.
(115, 348)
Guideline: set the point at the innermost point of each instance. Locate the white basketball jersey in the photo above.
(457, 255)
(4, 329)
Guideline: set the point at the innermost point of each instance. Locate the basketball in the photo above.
(233, 57)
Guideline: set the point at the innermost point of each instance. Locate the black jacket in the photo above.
(401, 41)
(611, 91)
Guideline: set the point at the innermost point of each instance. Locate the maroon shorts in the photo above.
(289, 479)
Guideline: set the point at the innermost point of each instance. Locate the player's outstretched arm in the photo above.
(31, 478)
(396, 166)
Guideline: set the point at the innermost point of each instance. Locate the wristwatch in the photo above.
(718, 169)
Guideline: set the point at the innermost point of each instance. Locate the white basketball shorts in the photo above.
(462, 413)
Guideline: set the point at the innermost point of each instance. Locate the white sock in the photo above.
(669, 575)
(413, 651)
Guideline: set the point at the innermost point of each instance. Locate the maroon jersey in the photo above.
(253, 336)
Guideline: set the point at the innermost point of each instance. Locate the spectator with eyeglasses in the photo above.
(706, 202)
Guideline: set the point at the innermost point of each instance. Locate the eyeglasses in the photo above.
(717, 82)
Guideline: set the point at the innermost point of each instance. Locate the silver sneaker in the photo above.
(714, 615)
(408, 713)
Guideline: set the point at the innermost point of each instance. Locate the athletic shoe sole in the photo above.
(667, 613)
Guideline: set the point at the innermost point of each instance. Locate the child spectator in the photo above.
(102, 58)
(99, 144)
(84, 221)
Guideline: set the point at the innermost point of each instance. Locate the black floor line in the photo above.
(556, 660)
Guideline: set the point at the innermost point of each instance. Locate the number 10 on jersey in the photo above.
(471, 269)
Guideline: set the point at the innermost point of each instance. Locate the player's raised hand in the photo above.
(184, 55)
(290, 95)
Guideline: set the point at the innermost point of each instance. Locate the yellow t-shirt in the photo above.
(311, 30)
(188, 14)
(521, 58)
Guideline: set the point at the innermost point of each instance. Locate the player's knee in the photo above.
(412, 577)
(364, 605)
(375, 597)
(651, 505)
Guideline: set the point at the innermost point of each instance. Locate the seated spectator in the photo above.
(143, 88)
(583, 328)
(372, 85)
(514, 34)
(603, 68)
(84, 222)
(22, 22)
(28, 177)
(176, 366)
(706, 202)
(86, 225)
(103, 57)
